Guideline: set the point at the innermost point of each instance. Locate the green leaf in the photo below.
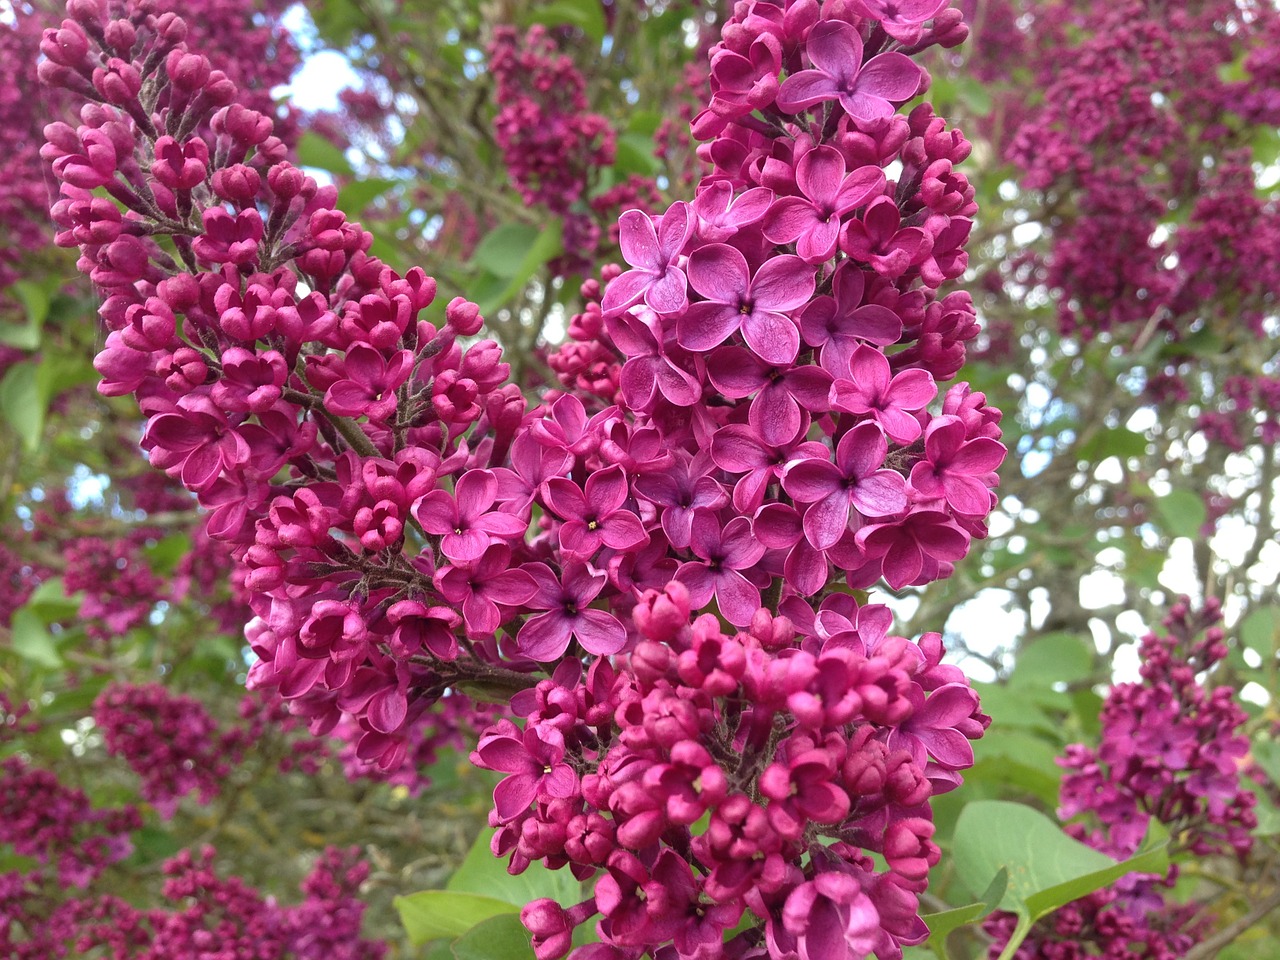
(586, 15)
(942, 923)
(635, 155)
(22, 404)
(499, 938)
(1182, 513)
(152, 844)
(1053, 658)
(483, 873)
(164, 555)
(522, 245)
(504, 248)
(358, 194)
(1266, 754)
(431, 914)
(32, 641)
(50, 602)
(316, 151)
(1260, 630)
(19, 336)
(1047, 868)
(1112, 442)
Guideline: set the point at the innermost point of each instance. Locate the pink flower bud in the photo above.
(68, 46)
(121, 36)
(238, 184)
(463, 317)
(662, 615)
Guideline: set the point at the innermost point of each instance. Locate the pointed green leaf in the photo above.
(32, 641)
(483, 873)
(432, 914)
(942, 923)
(1047, 868)
(499, 938)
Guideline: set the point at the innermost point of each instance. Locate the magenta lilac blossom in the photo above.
(651, 568)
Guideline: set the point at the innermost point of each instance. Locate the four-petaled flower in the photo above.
(736, 299)
(813, 222)
(891, 401)
(482, 585)
(569, 616)
(725, 552)
(534, 760)
(594, 516)
(865, 90)
(653, 252)
(957, 469)
(466, 519)
(853, 485)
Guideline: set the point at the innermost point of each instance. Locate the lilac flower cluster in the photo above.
(245, 35)
(548, 137)
(212, 918)
(1171, 750)
(408, 526)
(169, 740)
(42, 818)
(702, 776)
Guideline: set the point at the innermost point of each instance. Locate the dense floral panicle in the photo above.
(751, 420)
(57, 825)
(1171, 750)
(548, 138)
(169, 740)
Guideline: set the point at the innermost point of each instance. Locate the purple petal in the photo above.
(890, 76)
(705, 326)
(600, 632)
(631, 335)
(882, 494)
(669, 293)
(738, 599)
(773, 336)
(545, 638)
(626, 289)
(967, 495)
(719, 272)
(861, 450)
(980, 456)
(639, 241)
(677, 385)
(387, 710)
(775, 414)
(804, 89)
(859, 187)
(835, 48)
(513, 795)
(623, 531)
(789, 218)
(702, 586)
(809, 481)
(826, 521)
(735, 372)
(639, 382)
(913, 389)
(736, 449)
(819, 174)
(607, 490)
(782, 283)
